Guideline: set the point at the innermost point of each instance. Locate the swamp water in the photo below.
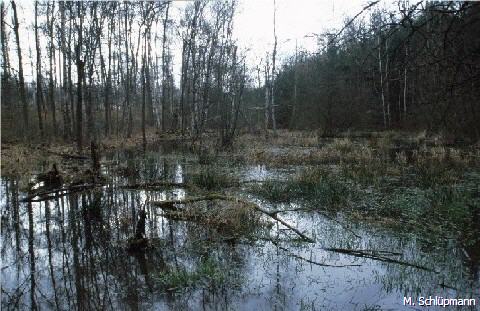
(70, 252)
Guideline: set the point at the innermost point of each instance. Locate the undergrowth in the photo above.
(414, 197)
(207, 272)
(209, 178)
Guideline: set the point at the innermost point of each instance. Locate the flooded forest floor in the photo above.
(292, 222)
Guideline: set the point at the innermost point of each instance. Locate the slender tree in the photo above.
(65, 83)
(5, 58)
(164, 66)
(21, 81)
(80, 68)
(51, 57)
(274, 55)
(39, 92)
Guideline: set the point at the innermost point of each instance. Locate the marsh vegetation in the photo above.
(234, 230)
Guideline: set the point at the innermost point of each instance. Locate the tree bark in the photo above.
(272, 93)
(267, 97)
(51, 50)
(164, 67)
(39, 93)
(5, 61)
(80, 68)
(66, 117)
(127, 80)
(405, 86)
(21, 82)
(381, 83)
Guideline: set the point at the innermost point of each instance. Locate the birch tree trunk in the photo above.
(5, 60)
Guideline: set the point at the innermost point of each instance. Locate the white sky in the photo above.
(294, 20)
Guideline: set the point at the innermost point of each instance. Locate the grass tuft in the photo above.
(209, 179)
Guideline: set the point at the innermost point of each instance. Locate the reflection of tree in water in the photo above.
(72, 252)
(76, 256)
(444, 256)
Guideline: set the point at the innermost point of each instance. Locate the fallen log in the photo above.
(308, 260)
(373, 256)
(211, 197)
(166, 184)
(58, 192)
(344, 227)
(154, 185)
(291, 254)
(69, 156)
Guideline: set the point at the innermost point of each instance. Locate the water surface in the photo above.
(70, 252)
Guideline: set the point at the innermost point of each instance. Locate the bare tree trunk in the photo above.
(39, 94)
(143, 103)
(91, 45)
(70, 63)
(267, 97)
(51, 93)
(164, 67)
(66, 117)
(80, 67)
(108, 85)
(127, 79)
(295, 81)
(381, 83)
(5, 61)
(150, 116)
(405, 85)
(387, 85)
(272, 93)
(185, 59)
(21, 82)
(144, 91)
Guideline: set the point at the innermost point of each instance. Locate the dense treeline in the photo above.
(97, 69)
(417, 67)
(106, 68)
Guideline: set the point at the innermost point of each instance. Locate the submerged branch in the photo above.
(169, 205)
(166, 184)
(308, 260)
(154, 185)
(58, 192)
(69, 156)
(344, 227)
(371, 255)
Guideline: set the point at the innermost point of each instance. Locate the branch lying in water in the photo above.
(154, 185)
(308, 260)
(166, 184)
(170, 203)
(69, 156)
(373, 256)
(58, 192)
(306, 209)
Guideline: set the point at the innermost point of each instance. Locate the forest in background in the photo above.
(415, 68)
(103, 69)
